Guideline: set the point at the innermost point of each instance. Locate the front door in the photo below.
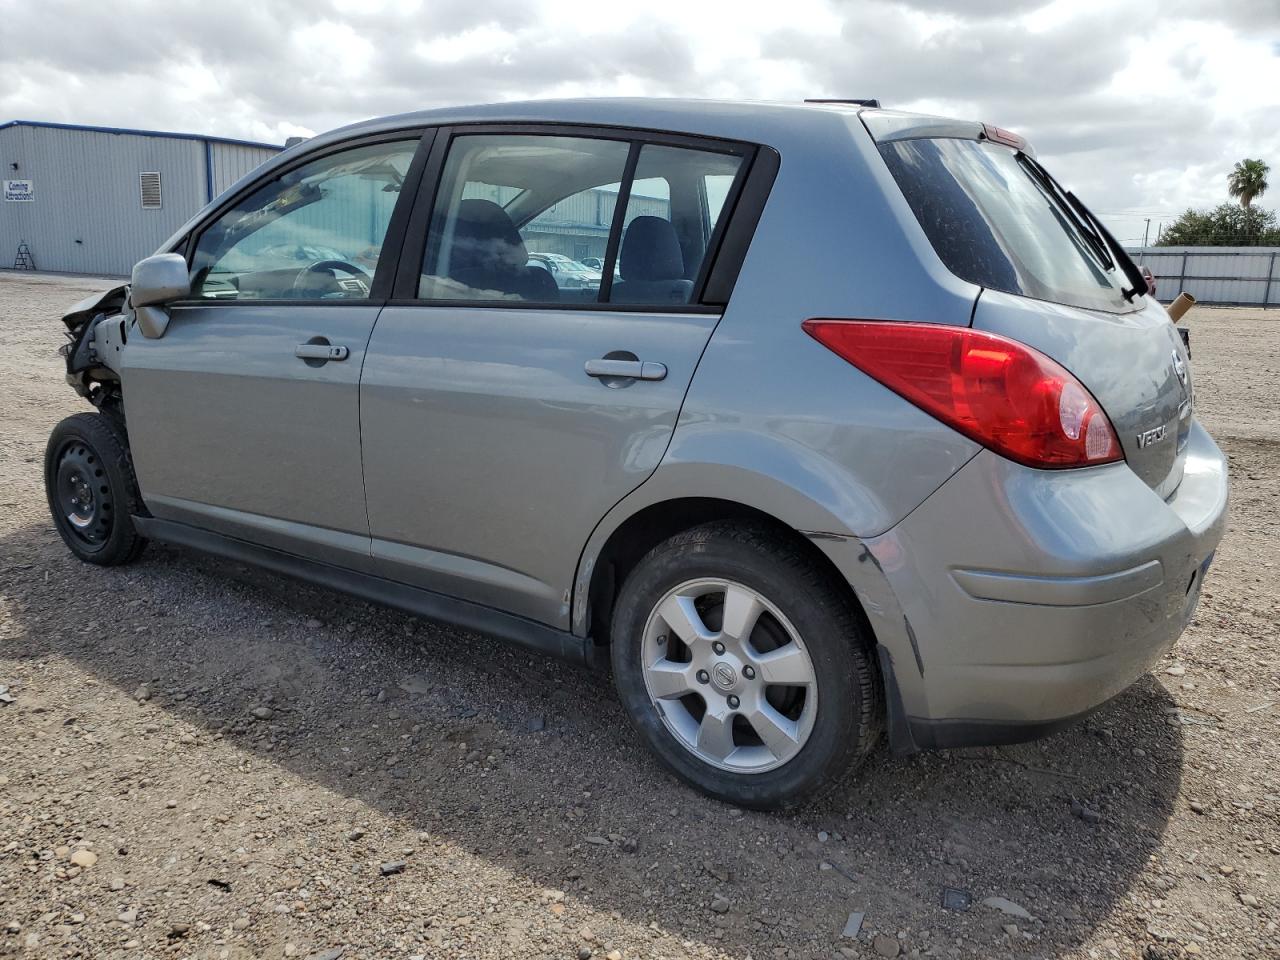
(504, 408)
(244, 417)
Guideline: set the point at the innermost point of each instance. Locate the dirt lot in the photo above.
(202, 760)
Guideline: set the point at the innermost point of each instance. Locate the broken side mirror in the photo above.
(157, 281)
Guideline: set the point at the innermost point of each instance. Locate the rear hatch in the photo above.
(1047, 279)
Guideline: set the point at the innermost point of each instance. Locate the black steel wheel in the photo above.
(91, 489)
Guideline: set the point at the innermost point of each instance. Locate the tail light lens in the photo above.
(1000, 393)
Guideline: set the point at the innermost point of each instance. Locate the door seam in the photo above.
(675, 425)
(364, 486)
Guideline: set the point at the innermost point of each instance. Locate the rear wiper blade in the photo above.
(1127, 266)
(1108, 248)
(1059, 196)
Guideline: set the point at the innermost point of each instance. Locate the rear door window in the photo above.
(669, 223)
(517, 214)
(993, 224)
(510, 211)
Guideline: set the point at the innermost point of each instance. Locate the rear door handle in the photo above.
(321, 351)
(626, 369)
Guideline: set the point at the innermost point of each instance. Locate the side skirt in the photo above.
(415, 600)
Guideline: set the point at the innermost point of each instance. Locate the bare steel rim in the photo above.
(82, 495)
(729, 676)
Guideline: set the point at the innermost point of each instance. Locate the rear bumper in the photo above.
(1030, 598)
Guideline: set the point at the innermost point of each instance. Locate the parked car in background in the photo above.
(597, 264)
(569, 274)
(832, 455)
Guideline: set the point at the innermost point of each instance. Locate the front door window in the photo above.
(314, 233)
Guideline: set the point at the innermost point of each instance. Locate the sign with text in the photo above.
(19, 191)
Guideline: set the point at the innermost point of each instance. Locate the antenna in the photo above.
(860, 103)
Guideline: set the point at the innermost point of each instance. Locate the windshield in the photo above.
(993, 222)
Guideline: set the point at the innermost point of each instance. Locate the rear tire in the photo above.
(92, 490)
(743, 666)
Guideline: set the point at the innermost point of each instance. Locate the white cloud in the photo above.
(1141, 107)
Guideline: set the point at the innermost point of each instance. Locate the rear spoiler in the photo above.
(885, 126)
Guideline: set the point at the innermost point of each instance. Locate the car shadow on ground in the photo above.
(530, 764)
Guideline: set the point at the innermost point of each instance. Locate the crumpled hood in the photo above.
(110, 301)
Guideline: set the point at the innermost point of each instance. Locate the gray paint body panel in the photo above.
(745, 431)
(490, 454)
(231, 431)
(1027, 662)
(1124, 359)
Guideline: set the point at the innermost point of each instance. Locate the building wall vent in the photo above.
(150, 186)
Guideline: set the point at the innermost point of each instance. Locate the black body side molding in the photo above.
(422, 603)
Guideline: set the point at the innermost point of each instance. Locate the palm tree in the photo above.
(1248, 180)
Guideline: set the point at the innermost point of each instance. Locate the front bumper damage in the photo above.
(96, 332)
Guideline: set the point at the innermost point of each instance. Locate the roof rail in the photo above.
(861, 103)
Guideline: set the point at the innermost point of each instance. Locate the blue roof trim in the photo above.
(139, 133)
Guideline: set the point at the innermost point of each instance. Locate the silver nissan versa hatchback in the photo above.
(868, 426)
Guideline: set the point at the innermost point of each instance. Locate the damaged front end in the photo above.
(97, 329)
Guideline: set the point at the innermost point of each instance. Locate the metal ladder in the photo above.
(24, 260)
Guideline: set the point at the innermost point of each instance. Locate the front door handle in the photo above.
(626, 369)
(321, 351)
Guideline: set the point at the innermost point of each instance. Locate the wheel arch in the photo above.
(103, 444)
(681, 496)
(627, 535)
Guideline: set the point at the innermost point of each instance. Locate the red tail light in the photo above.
(1000, 393)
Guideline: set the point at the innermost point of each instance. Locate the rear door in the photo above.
(503, 414)
(244, 416)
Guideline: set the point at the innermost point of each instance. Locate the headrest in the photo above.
(651, 251)
(484, 238)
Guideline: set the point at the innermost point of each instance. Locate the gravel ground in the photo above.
(204, 760)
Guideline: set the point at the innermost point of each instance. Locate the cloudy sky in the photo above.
(1142, 106)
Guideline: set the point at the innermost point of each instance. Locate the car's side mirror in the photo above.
(157, 281)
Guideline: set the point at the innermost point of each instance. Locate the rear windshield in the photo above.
(993, 224)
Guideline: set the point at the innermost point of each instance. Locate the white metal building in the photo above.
(98, 199)
(1235, 276)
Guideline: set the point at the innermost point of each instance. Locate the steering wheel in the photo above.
(322, 265)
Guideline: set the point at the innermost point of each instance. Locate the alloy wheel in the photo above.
(729, 675)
